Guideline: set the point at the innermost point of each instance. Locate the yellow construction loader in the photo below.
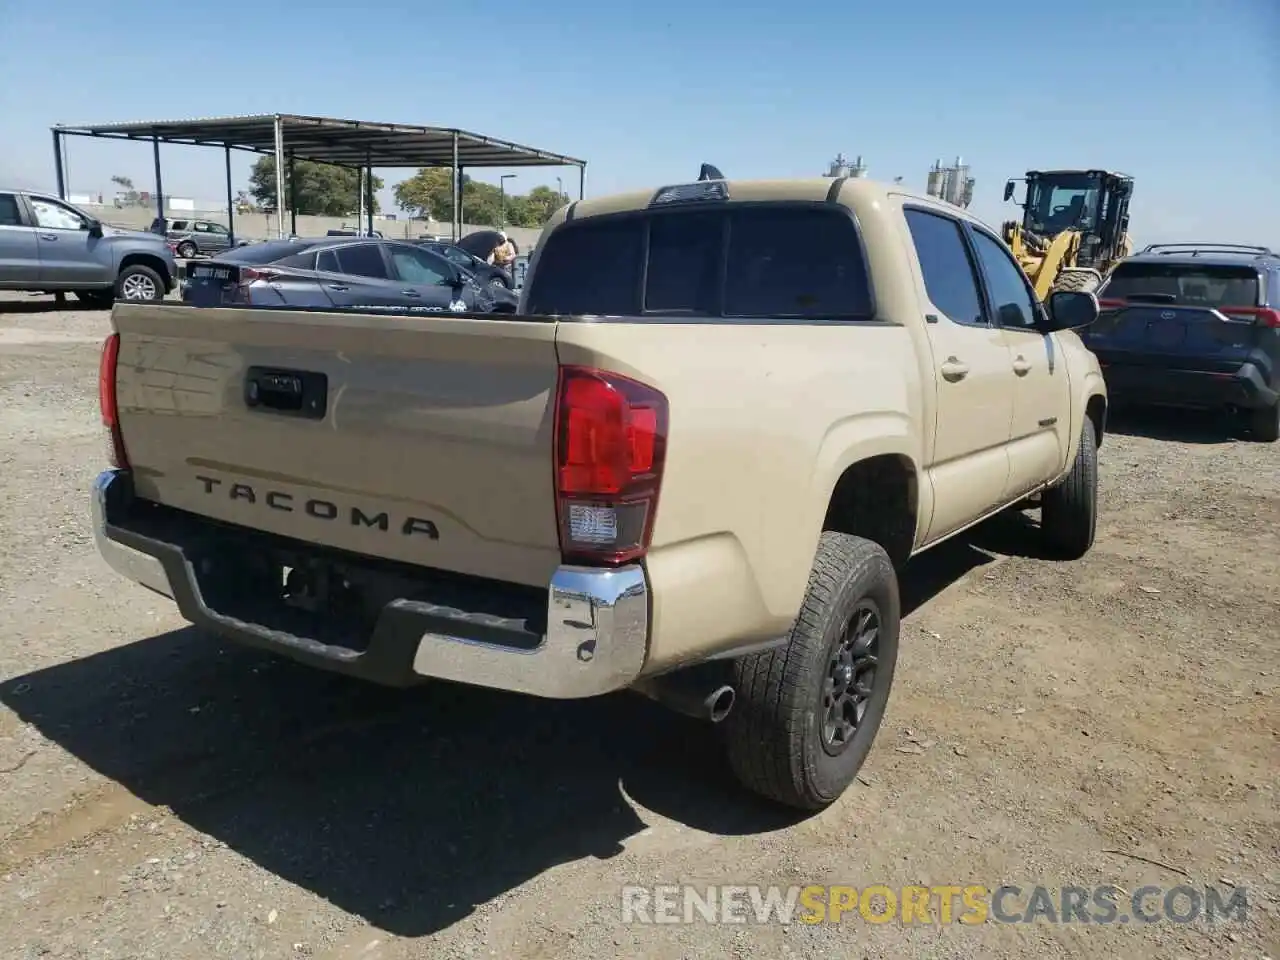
(1074, 227)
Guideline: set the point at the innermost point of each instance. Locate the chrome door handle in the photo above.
(48, 236)
(338, 286)
(953, 370)
(1021, 367)
(410, 293)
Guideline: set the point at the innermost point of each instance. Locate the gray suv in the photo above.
(199, 238)
(48, 246)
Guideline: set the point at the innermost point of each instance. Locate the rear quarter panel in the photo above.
(763, 421)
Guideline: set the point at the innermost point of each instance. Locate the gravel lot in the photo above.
(164, 796)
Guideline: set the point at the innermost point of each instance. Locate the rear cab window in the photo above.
(741, 261)
(1212, 286)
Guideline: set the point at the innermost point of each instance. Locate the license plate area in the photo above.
(294, 393)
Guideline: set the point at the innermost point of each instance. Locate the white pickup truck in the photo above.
(726, 415)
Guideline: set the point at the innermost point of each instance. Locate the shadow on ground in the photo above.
(1183, 426)
(405, 807)
(42, 305)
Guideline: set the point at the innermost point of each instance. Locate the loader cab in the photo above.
(1093, 202)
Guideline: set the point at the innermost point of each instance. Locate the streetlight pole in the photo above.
(502, 194)
(559, 191)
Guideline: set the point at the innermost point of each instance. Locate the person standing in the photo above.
(504, 253)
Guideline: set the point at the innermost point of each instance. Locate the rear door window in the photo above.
(9, 215)
(1184, 284)
(757, 261)
(362, 260)
(948, 273)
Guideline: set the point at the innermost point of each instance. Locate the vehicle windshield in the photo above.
(1184, 284)
(769, 260)
(1067, 201)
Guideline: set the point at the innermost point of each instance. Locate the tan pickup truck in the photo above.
(725, 416)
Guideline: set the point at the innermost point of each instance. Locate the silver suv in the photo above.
(49, 246)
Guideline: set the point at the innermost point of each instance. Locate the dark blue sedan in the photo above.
(349, 272)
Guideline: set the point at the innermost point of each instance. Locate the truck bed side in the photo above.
(764, 419)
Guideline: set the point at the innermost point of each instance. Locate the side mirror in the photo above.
(94, 227)
(1008, 190)
(1070, 310)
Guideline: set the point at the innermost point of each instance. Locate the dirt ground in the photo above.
(166, 796)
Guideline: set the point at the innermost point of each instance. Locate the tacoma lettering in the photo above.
(321, 509)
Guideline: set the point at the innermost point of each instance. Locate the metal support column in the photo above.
(582, 181)
(231, 201)
(279, 177)
(462, 183)
(360, 194)
(293, 199)
(57, 160)
(368, 179)
(455, 221)
(155, 150)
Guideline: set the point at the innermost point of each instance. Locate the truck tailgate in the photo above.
(421, 439)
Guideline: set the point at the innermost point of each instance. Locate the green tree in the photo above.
(428, 193)
(322, 189)
(542, 203)
(482, 204)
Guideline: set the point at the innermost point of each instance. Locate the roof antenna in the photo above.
(708, 172)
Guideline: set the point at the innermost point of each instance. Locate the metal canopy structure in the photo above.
(347, 143)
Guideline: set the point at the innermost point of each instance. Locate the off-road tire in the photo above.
(1264, 423)
(1069, 511)
(139, 270)
(187, 250)
(1074, 281)
(774, 733)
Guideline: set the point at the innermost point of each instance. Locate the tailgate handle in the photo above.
(295, 393)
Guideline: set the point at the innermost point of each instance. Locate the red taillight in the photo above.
(246, 277)
(610, 447)
(107, 401)
(1264, 316)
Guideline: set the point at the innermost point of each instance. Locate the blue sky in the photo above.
(1182, 94)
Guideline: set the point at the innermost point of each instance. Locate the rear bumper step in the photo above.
(586, 635)
(1245, 387)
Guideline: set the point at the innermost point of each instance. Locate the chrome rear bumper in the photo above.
(594, 639)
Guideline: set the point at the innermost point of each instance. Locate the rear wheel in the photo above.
(807, 713)
(1069, 511)
(139, 283)
(1264, 423)
(1075, 280)
(187, 250)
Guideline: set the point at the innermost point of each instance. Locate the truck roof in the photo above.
(851, 192)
